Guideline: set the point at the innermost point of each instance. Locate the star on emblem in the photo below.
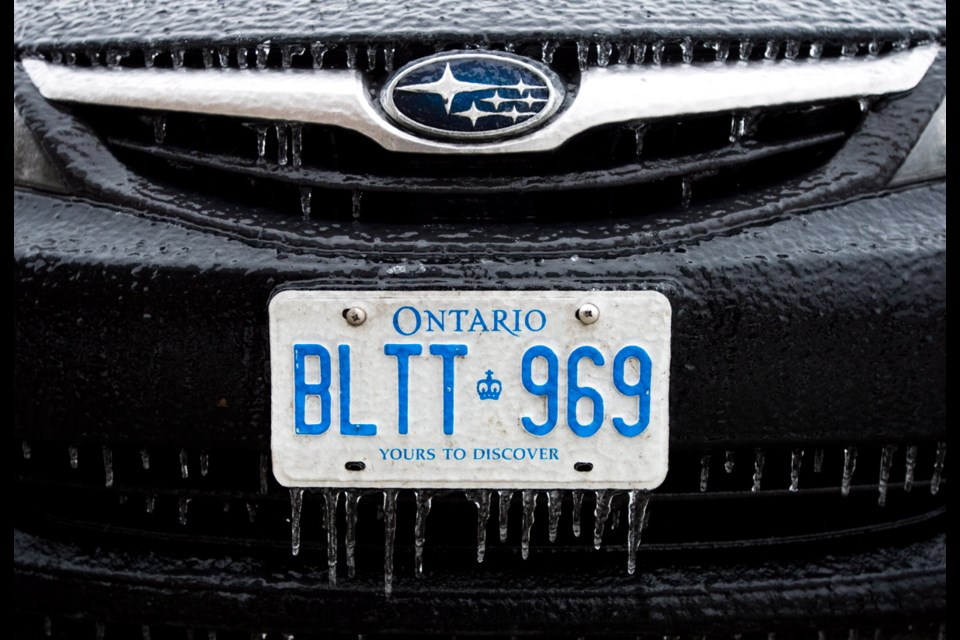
(496, 100)
(447, 86)
(475, 114)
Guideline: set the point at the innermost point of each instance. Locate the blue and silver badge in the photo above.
(472, 95)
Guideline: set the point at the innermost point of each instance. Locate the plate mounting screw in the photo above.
(588, 313)
(355, 316)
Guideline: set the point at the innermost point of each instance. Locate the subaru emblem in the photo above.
(472, 95)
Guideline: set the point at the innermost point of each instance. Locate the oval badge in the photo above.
(472, 95)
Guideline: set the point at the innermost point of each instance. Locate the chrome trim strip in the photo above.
(620, 93)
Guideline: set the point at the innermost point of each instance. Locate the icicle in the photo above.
(757, 470)
(646, 521)
(150, 58)
(184, 468)
(849, 49)
(481, 498)
(601, 510)
(261, 130)
(911, 467)
(148, 503)
(547, 49)
(816, 50)
(745, 49)
(99, 630)
(529, 507)
(207, 58)
(509, 47)
(554, 506)
(849, 466)
(296, 144)
(636, 514)
(686, 191)
(317, 51)
(263, 54)
(865, 104)
(886, 461)
(251, 512)
(901, 44)
(942, 631)
(94, 57)
(330, 499)
(115, 57)
(226, 506)
(351, 56)
(722, 49)
(817, 460)
(211, 635)
(704, 471)
(56, 57)
(243, 60)
(874, 46)
(423, 499)
(159, 129)
(176, 57)
(351, 500)
(145, 459)
(356, 197)
(576, 496)
(388, 51)
(122, 499)
(204, 463)
(296, 506)
(184, 505)
(583, 51)
(796, 457)
(25, 447)
(223, 53)
(615, 519)
(287, 53)
(503, 511)
(728, 461)
(107, 467)
(371, 57)
(389, 536)
(283, 147)
(639, 52)
(772, 50)
(686, 50)
(47, 626)
(639, 132)
(938, 467)
(306, 195)
(145, 631)
(74, 459)
(604, 49)
(656, 51)
(264, 470)
(71, 58)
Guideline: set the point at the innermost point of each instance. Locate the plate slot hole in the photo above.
(583, 467)
(355, 465)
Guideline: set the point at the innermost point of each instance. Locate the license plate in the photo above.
(493, 389)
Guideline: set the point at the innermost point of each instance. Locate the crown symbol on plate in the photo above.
(489, 388)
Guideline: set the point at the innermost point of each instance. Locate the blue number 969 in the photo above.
(550, 389)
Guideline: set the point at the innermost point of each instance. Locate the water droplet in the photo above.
(224, 54)
(264, 471)
(330, 499)
(306, 194)
(772, 50)
(47, 626)
(601, 510)
(547, 49)
(656, 51)
(874, 46)
(355, 207)
(317, 51)
(554, 507)
(758, 461)
(886, 462)
(816, 50)
(351, 500)
(207, 58)
(177, 58)
(911, 468)
(865, 104)
(849, 49)
(686, 50)
(243, 61)
(25, 447)
(792, 50)
(582, 53)
(636, 516)
(184, 468)
(576, 497)
(423, 500)
(115, 57)
(389, 536)
(901, 44)
(371, 57)
(817, 460)
(183, 506)
(745, 49)
(288, 52)
(481, 499)
(849, 466)
(263, 54)
(796, 457)
(728, 461)
(107, 467)
(99, 630)
(503, 511)
(149, 502)
(145, 459)
(94, 57)
(145, 631)
(529, 499)
(704, 471)
(296, 505)
(351, 56)
(251, 512)
(938, 467)
(604, 49)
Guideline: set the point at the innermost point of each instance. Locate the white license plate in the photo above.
(492, 389)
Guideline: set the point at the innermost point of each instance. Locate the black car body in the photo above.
(802, 247)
